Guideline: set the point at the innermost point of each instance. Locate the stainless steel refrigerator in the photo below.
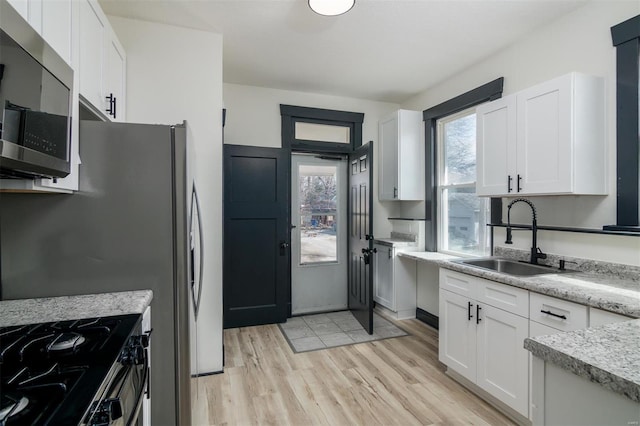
(129, 227)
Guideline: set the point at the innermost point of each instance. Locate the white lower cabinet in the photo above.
(502, 360)
(394, 284)
(484, 343)
(599, 317)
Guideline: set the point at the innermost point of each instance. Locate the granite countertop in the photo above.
(30, 311)
(398, 239)
(395, 242)
(607, 355)
(429, 256)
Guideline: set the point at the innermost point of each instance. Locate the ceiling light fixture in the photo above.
(331, 7)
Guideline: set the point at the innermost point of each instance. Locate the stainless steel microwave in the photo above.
(35, 98)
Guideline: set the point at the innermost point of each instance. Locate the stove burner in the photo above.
(12, 406)
(66, 341)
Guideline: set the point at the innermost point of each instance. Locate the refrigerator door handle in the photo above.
(196, 295)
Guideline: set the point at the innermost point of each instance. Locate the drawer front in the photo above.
(556, 313)
(599, 317)
(506, 297)
(462, 284)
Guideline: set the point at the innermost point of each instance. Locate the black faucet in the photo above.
(536, 253)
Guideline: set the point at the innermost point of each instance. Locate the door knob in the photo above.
(283, 247)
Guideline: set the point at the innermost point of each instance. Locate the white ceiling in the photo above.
(385, 50)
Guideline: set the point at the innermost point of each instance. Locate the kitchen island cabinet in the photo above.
(595, 372)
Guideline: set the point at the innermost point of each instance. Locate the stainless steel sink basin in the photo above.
(507, 266)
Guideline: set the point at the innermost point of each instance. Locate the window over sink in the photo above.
(462, 216)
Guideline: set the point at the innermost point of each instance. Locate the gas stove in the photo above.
(73, 372)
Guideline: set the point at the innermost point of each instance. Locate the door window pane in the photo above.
(464, 216)
(322, 132)
(318, 197)
(460, 150)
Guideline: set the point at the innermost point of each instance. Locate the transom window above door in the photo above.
(322, 132)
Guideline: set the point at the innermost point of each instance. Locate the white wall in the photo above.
(175, 74)
(580, 41)
(253, 118)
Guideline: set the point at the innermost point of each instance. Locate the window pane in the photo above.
(322, 132)
(464, 216)
(460, 150)
(318, 214)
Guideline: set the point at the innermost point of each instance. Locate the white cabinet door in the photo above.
(384, 289)
(115, 81)
(457, 334)
(496, 147)
(92, 45)
(388, 163)
(401, 164)
(544, 137)
(503, 363)
(56, 26)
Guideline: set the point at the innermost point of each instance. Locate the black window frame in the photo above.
(485, 93)
(291, 115)
(626, 38)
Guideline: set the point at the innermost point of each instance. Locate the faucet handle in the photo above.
(563, 262)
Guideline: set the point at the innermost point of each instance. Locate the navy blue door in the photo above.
(256, 238)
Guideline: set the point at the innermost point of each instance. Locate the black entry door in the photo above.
(361, 236)
(256, 238)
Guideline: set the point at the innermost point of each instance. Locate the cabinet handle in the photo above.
(478, 319)
(509, 179)
(115, 104)
(519, 180)
(395, 192)
(390, 253)
(553, 315)
(469, 316)
(111, 107)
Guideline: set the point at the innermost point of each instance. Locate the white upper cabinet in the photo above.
(102, 64)
(56, 26)
(115, 78)
(545, 140)
(92, 44)
(51, 19)
(401, 165)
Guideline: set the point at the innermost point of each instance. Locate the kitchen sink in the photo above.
(508, 266)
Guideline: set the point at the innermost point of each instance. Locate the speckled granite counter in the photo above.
(395, 242)
(29, 311)
(607, 355)
(428, 256)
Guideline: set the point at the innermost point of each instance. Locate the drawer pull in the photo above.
(469, 316)
(553, 315)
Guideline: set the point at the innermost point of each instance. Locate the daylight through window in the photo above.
(462, 215)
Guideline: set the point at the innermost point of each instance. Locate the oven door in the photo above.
(121, 403)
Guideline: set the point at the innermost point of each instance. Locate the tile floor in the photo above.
(320, 331)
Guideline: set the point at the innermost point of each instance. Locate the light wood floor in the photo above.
(396, 381)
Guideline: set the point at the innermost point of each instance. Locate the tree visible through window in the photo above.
(462, 215)
(318, 214)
